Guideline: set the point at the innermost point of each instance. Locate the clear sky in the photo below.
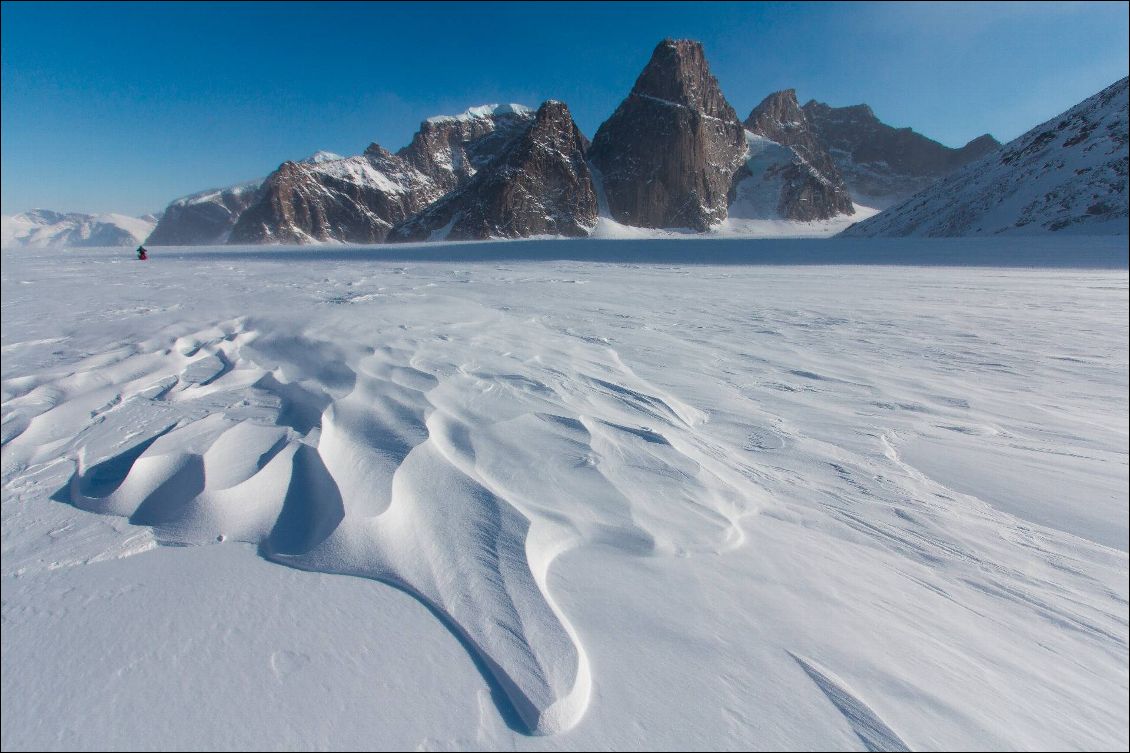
(122, 107)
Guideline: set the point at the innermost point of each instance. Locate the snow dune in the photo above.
(695, 501)
(458, 482)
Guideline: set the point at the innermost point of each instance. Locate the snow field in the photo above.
(674, 504)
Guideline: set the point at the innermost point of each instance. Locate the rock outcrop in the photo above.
(807, 184)
(667, 156)
(1068, 174)
(882, 165)
(539, 185)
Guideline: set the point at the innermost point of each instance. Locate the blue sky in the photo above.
(122, 107)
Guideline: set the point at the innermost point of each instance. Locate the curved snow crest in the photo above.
(455, 467)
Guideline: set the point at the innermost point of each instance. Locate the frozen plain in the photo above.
(621, 494)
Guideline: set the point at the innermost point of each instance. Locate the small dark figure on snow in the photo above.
(142, 254)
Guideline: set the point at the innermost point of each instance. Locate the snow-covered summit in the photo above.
(483, 111)
(321, 156)
(1069, 173)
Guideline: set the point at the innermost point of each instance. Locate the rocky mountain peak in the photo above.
(980, 146)
(376, 150)
(668, 154)
(779, 117)
(810, 185)
(858, 113)
(539, 185)
(679, 74)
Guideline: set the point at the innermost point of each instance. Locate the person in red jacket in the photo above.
(142, 254)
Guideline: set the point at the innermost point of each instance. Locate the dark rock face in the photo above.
(668, 155)
(880, 164)
(539, 185)
(359, 199)
(203, 218)
(811, 185)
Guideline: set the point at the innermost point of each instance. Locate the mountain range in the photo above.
(674, 154)
(1068, 174)
(44, 228)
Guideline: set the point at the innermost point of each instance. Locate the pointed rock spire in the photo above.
(668, 154)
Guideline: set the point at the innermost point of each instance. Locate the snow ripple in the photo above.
(453, 467)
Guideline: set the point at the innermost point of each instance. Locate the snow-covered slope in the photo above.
(1068, 174)
(43, 228)
(696, 504)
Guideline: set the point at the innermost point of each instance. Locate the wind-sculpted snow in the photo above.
(458, 480)
(661, 494)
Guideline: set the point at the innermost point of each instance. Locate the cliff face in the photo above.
(667, 156)
(539, 185)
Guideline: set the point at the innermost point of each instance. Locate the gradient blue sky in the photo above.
(122, 107)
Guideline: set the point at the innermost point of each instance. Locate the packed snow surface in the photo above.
(593, 494)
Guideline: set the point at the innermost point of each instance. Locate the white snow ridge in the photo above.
(483, 111)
